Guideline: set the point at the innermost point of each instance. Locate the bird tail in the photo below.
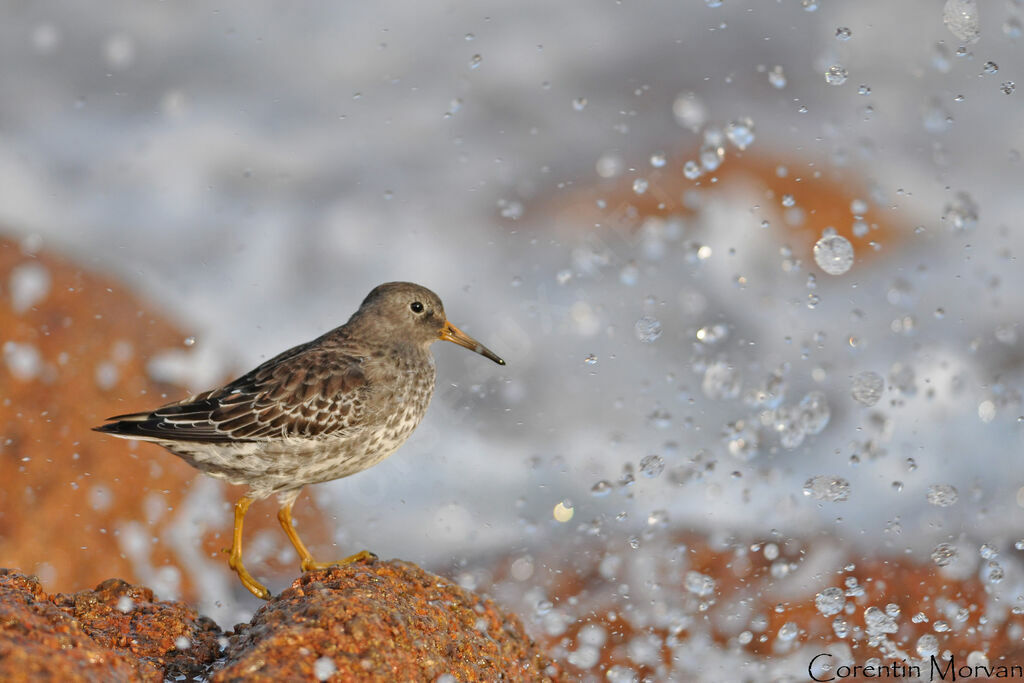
(127, 426)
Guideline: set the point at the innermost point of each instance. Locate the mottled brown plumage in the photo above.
(319, 411)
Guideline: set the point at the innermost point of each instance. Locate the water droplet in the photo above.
(989, 67)
(863, 90)
(711, 156)
(699, 584)
(961, 213)
(830, 601)
(652, 465)
(942, 495)
(833, 489)
(835, 75)
(788, 631)
(927, 646)
(590, 360)
(809, 5)
(692, 170)
(786, 423)
(961, 18)
(28, 284)
(721, 381)
(601, 488)
(740, 133)
(843, 33)
(1008, 87)
(877, 622)
(474, 61)
(640, 185)
(867, 387)
(647, 329)
(190, 341)
(609, 165)
(777, 78)
(833, 254)
(742, 440)
(712, 334)
(658, 160)
(689, 111)
(713, 3)
(324, 668)
(814, 412)
(976, 658)
(579, 104)
(23, 360)
(657, 518)
(944, 554)
(993, 573)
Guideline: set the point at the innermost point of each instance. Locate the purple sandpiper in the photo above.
(319, 411)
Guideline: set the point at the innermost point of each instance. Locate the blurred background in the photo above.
(622, 199)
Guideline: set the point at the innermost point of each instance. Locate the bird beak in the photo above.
(453, 334)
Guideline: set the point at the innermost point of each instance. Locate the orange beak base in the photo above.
(453, 334)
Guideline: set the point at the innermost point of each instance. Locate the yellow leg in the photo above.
(284, 516)
(235, 559)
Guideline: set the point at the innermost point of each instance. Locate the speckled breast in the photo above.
(401, 387)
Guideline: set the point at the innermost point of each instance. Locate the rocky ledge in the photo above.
(368, 621)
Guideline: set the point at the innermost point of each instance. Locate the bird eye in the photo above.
(416, 307)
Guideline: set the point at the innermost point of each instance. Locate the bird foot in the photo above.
(308, 564)
(254, 586)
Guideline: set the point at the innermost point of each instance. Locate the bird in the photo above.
(319, 411)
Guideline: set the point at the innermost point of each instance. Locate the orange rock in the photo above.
(382, 621)
(822, 197)
(115, 633)
(367, 621)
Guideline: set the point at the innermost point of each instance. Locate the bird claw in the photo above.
(254, 586)
(363, 555)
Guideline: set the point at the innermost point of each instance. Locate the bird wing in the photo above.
(308, 391)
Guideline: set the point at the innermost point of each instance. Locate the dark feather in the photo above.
(311, 390)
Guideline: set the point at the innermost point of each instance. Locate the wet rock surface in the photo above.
(382, 621)
(165, 638)
(369, 621)
(117, 632)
